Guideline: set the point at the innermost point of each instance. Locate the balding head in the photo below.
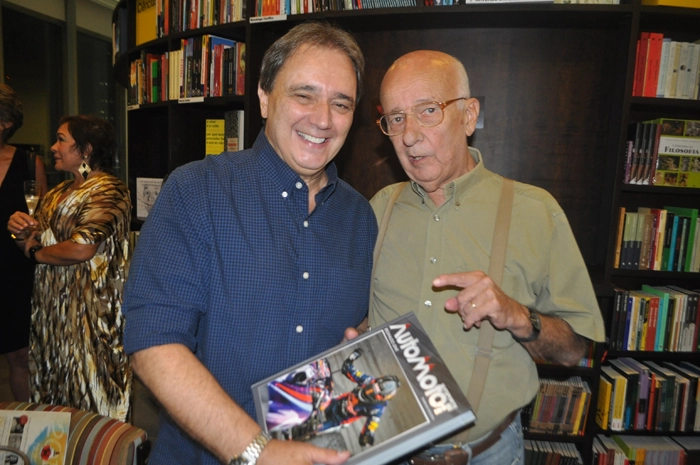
(443, 70)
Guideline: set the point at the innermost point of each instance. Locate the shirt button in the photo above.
(300, 328)
(299, 185)
(306, 275)
(306, 224)
(433, 260)
(436, 217)
(428, 303)
(284, 194)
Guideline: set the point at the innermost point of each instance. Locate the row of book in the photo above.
(640, 450)
(638, 395)
(658, 239)
(204, 66)
(663, 152)
(655, 319)
(666, 68)
(225, 134)
(551, 453)
(266, 8)
(159, 18)
(560, 407)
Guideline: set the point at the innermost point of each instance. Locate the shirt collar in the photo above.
(281, 173)
(457, 189)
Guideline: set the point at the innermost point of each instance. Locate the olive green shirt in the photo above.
(544, 270)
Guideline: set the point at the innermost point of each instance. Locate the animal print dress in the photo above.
(76, 348)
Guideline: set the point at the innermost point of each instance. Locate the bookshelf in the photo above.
(555, 85)
(681, 24)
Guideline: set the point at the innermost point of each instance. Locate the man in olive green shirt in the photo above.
(436, 252)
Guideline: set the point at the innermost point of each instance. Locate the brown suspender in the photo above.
(496, 266)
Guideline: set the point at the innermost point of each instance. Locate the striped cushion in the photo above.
(94, 439)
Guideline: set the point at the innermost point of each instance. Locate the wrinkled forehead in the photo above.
(404, 88)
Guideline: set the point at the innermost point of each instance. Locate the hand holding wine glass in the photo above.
(31, 195)
(19, 226)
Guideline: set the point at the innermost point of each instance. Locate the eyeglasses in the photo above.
(427, 114)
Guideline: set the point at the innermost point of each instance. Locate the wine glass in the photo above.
(31, 195)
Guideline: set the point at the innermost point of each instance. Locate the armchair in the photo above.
(96, 439)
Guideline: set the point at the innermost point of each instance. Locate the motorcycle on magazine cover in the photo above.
(296, 402)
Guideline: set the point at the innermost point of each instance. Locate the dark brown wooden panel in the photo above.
(547, 98)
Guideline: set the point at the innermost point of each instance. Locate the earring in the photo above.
(84, 169)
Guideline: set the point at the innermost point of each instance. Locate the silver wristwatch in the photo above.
(251, 453)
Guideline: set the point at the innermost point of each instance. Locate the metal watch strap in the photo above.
(251, 453)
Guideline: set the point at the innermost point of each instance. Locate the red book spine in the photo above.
(642, 47)
(653, 62)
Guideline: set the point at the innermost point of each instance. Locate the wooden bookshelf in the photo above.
(555, 83)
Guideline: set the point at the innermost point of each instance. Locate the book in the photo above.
(695, 262)
(615, 452)
(214, 137)
(628, 239)
(41, 435)
(683, 64)
(640, 420)
(690, 414)
(423, 402)
(619, 393)
(653, 62)
(678, 163)
(669, 238)
(234, 130)
(662, 316)
(618, 242)
(692, 214)
(619, 317)
(240, 67)
(631, 404)
(663, 67)
(629, 341)
(692, 319)
(147, 190)
(691, 444)
(645, 233)
(691, 70)
(146, 21)
(650, 173)
(652, 317)
(650, 256)
(637, 152)
(676, 320)
(640, 64)
(667, 395)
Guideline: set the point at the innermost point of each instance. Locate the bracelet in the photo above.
(251, 453)
(32, 252)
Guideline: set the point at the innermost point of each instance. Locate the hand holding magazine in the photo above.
(381, 396)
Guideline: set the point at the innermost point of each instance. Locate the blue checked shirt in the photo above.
(230, 264)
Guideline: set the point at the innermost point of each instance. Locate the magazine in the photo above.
(43, 436)
(380, 396)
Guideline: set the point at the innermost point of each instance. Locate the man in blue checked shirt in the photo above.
(251, 262)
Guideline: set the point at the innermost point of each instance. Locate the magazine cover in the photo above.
(380, 396)
(43, 436)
